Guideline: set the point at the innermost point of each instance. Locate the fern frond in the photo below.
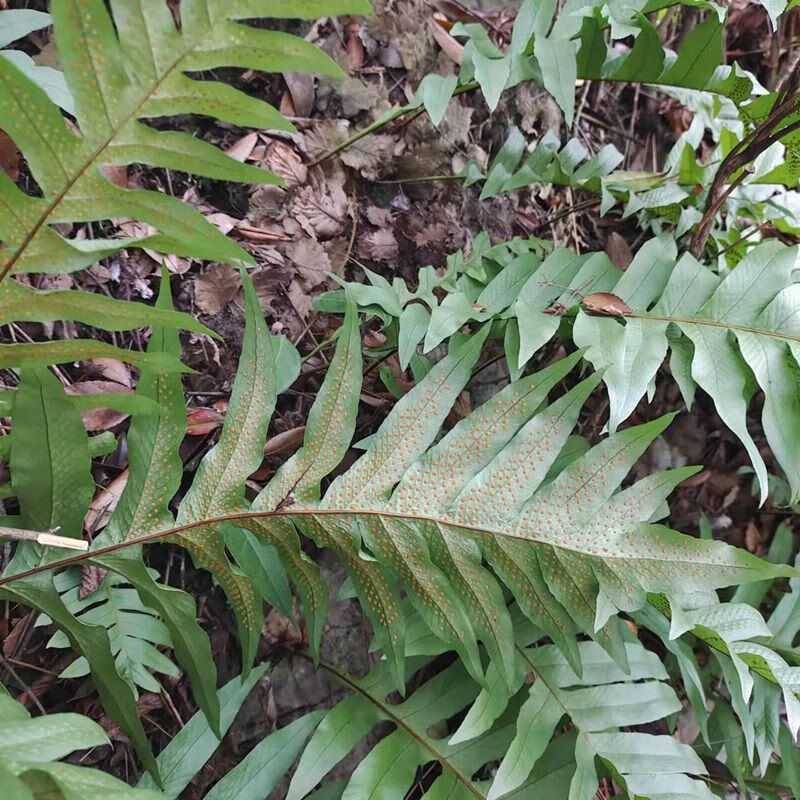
(519, 733)
(30, 747)
(120, 71)
(124, 69)
(725, 333)
(154, 475)
(737, 328)
(51, 463)
(134, 630)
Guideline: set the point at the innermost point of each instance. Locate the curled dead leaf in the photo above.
(200, 421)
(311, 260)
(241, 150)
(440, 27)
(286, 442)
(104, 503)
(100, 419)
(285, 161)
(9, 156)
(606, 304)
(91, 580)
(321, 205)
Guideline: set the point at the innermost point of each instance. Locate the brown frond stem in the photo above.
(743, 154)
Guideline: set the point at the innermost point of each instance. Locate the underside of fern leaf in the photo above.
(124, 69)
(453, 519)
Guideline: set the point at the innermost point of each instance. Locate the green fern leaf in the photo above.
(134, 630)
(197, 741)
(50, 467)
(29, 747)
(154, 476)
(121, 71)
(596, 704)
(571, 548)
(739, 328)
(18, 302)
(68, 350)
(218, 486)
(329, 430)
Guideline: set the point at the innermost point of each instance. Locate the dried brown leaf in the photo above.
(240, 151)
(9, 156)
(285, 161)
(104, 503)
(301, 88)
(113, 370)
(311, 260)
(441, 33)
(300, 300)
(320, 206)
(618, 251)
(285, 443)
(201, 421)
(215, 288)
(606, 304)
(379, 217)
(379, 245)
(91, 580)
(371, 156)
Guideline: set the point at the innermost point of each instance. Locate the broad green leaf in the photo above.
(49, 460)
(346, 724)
(644, 62)
(699, 57)
(448, 317)
(584, 782)
(593, 50)
(72, 782)
(261, 770)
(414, 323)
(329, 429)
(195, 743)
(18, 302)
(47, 738)
(50, 80)
(126, 403)
(90, 641)
(559, 67)
(12, 787)
(262, 564)
(536, 724)
(43, 353)
(533, 19)
(435, 92)
(504, 164)
(790, 759)
(18, 23)
(134, 630)
(629, 355)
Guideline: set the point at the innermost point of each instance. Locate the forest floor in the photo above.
(381, 204)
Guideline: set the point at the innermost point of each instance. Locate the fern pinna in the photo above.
(123, 70)
(455, 519)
